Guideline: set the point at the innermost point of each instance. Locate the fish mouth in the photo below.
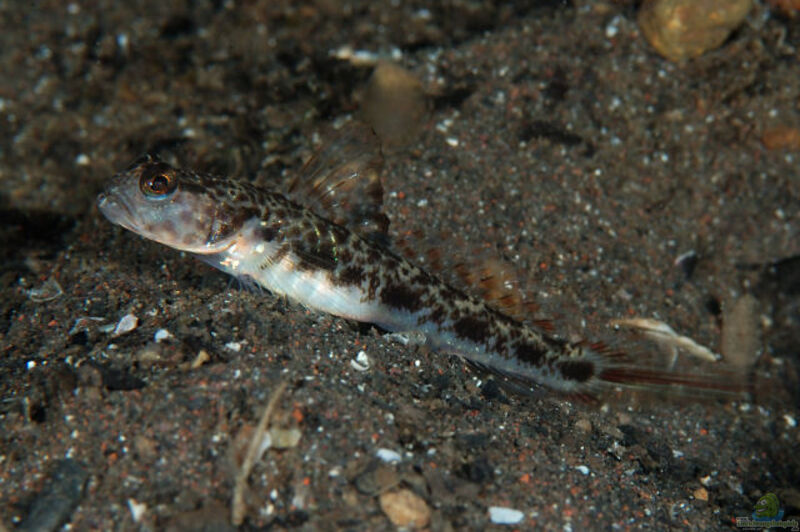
(116, 210)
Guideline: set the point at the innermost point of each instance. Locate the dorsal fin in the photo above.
(342, 182)
(482, 275)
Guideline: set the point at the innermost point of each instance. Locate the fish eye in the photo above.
(157, 182)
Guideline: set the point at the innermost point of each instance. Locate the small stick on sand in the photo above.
(238, 508)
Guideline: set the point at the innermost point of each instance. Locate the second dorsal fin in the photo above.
(498, 284)
(493, 280)
(342, 182)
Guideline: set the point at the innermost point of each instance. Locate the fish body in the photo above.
(264, 237)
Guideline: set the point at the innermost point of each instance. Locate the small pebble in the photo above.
(62, 492)
(682, 29)
(781, 138)
(701, 494)
(285, 438)
(377, 478)
(126, 324)
(584, 425)
(404, 508)
(500, 515)
(583, 469)
(790, 420)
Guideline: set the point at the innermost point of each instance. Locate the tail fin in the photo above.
(593, 370)
(722, 384)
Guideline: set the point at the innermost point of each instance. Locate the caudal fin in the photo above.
(720, 383)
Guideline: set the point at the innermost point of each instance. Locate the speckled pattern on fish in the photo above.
(267, 238)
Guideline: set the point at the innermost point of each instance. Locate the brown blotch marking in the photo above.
(292, 232)
(437, 315)
(345, 255)
(339, 234)
(401, 296)
(322, 256)
(421, 278)
(311, 238)
(352, 275)
(326, 252)
(472, 328)
(530, 354)
(577, 370)
(268, 233)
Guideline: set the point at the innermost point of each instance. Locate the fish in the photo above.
(322, 241)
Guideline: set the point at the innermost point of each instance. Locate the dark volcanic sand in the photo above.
(557, 141)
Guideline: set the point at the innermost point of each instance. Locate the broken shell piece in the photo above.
(361, 362)
(126, 324)
(137, 509)
(47, 292)
(162, 335)
(501, 515)
(664, 335)
(388, 455)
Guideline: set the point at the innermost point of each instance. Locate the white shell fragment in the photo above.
(583, 469)
(161, 335)
(126, 324)
(234, 346)
(665, 335)
(361, 362)
(388, 455)
(47, 292)
(137, 509)
(501, 515)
